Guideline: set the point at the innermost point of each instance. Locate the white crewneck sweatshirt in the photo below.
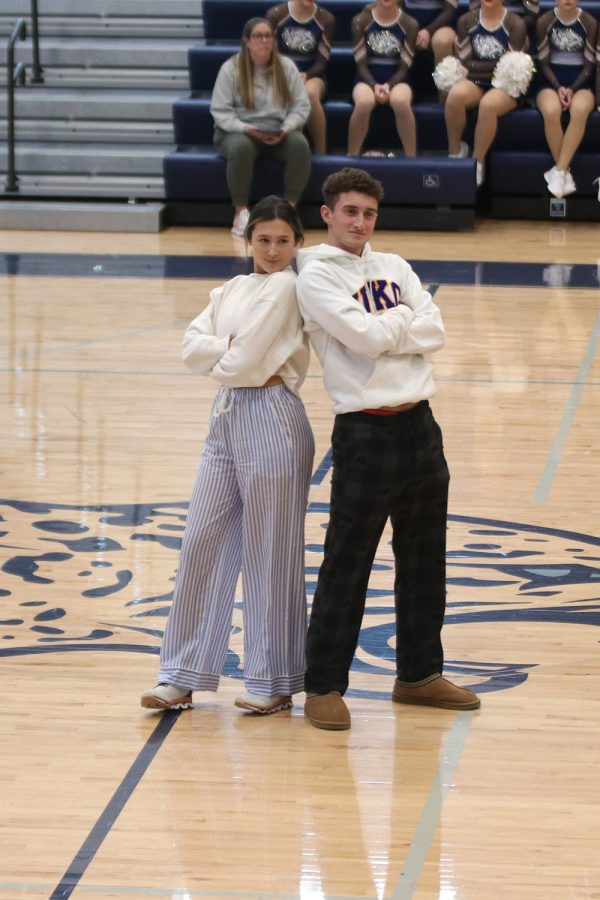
(370, 322)
(250, 330)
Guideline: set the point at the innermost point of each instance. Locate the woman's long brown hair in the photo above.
(245, 70)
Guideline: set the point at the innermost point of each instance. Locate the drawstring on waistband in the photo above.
(224, 402)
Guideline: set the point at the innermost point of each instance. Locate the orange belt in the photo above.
(391, 410)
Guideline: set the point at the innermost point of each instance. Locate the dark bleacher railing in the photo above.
(37, 76)
(14, 76)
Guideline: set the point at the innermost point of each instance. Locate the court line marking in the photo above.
(478, 273)
(119, 373)
(571, 406)
(430, 817)
(75, 345)
(71, 878)
(176, 893)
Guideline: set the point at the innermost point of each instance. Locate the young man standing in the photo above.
(370, 323)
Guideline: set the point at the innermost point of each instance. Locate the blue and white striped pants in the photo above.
(246, 514)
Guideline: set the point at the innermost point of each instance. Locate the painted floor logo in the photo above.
(77, 578)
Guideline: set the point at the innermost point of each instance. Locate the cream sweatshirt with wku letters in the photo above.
(371, 324)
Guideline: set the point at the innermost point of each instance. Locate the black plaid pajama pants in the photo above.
(383, 466)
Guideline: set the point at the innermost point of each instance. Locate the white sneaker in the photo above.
(570, 186)
(480, 174)
(462, 153)
(556, 184)
(597, 181)
(167, 696)
(550, 174)
(239, 223)
(264, 705)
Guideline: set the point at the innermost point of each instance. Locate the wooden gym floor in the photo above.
(101, 432)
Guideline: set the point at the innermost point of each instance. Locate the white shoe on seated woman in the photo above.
(240, 221)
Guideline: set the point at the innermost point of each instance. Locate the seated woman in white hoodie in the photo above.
(260, 106)
(249, 502)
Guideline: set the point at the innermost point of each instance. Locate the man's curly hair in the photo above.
(350, 179)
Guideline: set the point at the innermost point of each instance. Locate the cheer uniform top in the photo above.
(383, 53)
(479, 48)
(566, 50)
(307, 43)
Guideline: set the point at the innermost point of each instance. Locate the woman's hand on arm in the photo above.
(201, 348)
(244, 361)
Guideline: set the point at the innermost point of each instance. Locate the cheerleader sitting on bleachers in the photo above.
(566, 39)
(304, 33)
(383, 39)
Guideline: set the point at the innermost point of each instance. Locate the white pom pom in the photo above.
(448, 72)
(513, 73)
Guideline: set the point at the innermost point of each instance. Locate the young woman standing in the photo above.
(249, 502)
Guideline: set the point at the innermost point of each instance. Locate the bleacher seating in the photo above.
(432, 188)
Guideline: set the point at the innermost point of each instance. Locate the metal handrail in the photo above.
(13, 76)
(36, 69)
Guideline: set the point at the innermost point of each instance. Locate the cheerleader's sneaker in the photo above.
(462, 153)
(480, 173)
(570, 187)
(239, 223)
(167, 696)
(561, 184)
(597, 181)
(549, 174)
(264, 705)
